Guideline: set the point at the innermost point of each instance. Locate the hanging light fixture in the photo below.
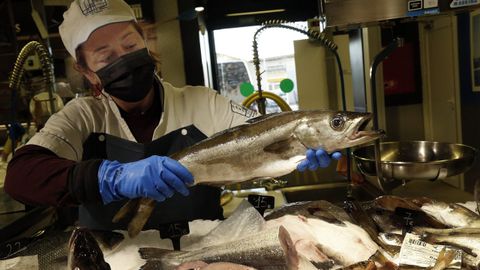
(199, 5)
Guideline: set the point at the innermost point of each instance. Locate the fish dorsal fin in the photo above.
(280, 146)
(261, 117)
(326, 216)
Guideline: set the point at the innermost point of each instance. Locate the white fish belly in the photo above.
(332, 239)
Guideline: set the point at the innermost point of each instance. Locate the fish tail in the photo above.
(288, 247)
(381, 259)
(294, 260)
(444, 259)
(371, 266)
(126, 209)
(145, 209)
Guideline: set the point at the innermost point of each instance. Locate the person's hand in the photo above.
(317, 158)
(155, 177)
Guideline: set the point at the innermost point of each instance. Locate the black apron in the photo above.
(202, 203)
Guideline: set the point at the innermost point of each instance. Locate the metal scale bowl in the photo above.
(394, 163)
(409, 160)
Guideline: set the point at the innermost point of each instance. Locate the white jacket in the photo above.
(66, 131)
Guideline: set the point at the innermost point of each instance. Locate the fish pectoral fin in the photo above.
(280, 146)
(144, 210)
(328, 217)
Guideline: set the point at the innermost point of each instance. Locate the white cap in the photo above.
(85, 16)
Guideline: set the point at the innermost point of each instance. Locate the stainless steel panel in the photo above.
(350, 12)
(344, 14)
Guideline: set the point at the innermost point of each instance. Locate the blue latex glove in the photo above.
(155, 177)
(317, 158)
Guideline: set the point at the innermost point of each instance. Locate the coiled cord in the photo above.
(315, 35)
(47, 70)
(17, 75)
(320, 37)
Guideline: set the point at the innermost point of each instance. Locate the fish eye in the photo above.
(337, 122)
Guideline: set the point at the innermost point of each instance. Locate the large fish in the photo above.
(365, 221)
(469, 243)
(324, 242)
(266, 147)
(258, 250)
(321, 231)
(290, 241)
(450, 214)
(393, 203)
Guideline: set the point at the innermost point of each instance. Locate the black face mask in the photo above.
(130, 77)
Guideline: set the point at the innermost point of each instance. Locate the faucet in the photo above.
(47, 69)
(17, 74)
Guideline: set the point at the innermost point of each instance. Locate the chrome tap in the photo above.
(47, 69)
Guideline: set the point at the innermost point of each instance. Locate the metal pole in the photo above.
(398, 42)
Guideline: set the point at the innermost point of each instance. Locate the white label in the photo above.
(237, 108)
(415, 5)
(430, 3)
(416, 252)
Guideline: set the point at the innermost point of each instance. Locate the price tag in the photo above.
(261, 202)
(415, 252)
(174, 231)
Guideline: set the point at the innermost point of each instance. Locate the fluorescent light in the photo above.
(255, 12)
(199, 9)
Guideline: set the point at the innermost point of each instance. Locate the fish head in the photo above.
(335, 130)
(84, 252)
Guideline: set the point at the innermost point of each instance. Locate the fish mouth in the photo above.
(360, 132)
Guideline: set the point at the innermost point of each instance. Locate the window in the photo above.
(234, 54)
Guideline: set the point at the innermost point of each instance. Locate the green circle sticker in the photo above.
(246, 89)
(286, 85)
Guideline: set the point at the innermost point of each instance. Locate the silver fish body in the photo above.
(213, 266)
(311, 209)
(451, 214)
(469, 243)
(273, 145)
(258, 250)
(267, 147)
(323, 236)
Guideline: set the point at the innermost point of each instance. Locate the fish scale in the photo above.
(51, 250)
